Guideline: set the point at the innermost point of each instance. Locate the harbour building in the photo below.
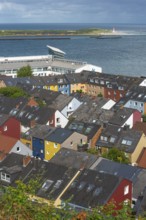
(43, 65)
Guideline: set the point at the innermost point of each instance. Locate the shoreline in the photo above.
(53, 33)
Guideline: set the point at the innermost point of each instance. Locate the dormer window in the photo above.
(5, 177)
(101, 82)
(91, 80)
(103, 138)
(120, 88)
(109, 86)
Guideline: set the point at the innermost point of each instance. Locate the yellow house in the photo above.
(54, 88)
(51, 148)
(61, 137)
(78, 87)
(131, 142)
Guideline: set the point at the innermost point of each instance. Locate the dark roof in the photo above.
(124, 139)
(129, 140)
(43, 94)
(126, 171)
(3, 118)
(72, 158)
(7, 104)
(121, 116)
(53, 178)
(133, 173)
(90, 111)
(82, 77)
(40, 115)
(91, 188)
(137, 93)
(59, 135)
(39, 131)
(88, 129)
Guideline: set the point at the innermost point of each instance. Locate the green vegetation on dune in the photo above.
(89, 31)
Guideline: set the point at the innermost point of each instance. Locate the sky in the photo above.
(73, 11)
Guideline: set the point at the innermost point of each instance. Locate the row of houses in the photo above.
(86, 180)
(88, 82)
(46, 130)
(77, 122)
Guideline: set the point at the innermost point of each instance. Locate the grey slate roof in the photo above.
(122, 138)
(59, 135)
(88, 129)
(91, 189)
(39, 131)
(7, 104)
(90, 111)
(40, 115)
(53, 178)
(3, 118)
(126, 171)
(133, 173)
(121, 116)
(72, 158)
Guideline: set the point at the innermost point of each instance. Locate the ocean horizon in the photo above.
(125, 55)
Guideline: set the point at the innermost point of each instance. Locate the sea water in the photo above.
(125, 55)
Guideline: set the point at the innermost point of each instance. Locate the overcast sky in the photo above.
(73, 11)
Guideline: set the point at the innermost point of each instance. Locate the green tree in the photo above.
(24, 71)
(12, 92)
(17, 204)
(116, 155)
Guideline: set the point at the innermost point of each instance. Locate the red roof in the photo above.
(6, 143)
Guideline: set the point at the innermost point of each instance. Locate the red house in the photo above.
(9, 126)
(122, 193)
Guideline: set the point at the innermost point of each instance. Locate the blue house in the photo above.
(38, 147)
(63, 85)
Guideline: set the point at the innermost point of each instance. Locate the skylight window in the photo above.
(90, 187)
(81, 186)
(88, 130)
(97, 191)
(112, 139)
(58, 183)
(126, 142)
(47, 185)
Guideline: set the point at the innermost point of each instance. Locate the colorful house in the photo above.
(62, 138)
(9, 126)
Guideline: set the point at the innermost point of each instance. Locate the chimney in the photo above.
(26, 160)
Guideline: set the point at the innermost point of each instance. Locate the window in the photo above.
(58, 120)
(141, 104)
(55, 145)
(5, 128)
(71, 143)
(126, 190)
(5, 177)
(126, 142)
(18, 149)
(103, 138)
(135, 103)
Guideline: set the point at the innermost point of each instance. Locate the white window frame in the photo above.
(5, 177)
